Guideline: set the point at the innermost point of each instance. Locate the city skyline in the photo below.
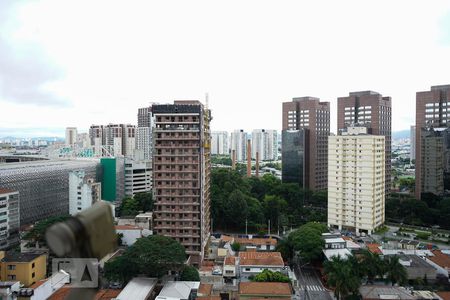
(46, 70)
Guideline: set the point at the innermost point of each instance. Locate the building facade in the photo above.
(294, 156)
(219, 143)
(43, 185)
(28, 268)
(181, 174)
(239, 144)
(265, 142)
(356, 180)
(144, 141)
(432, 111)
(373, 111)
(412, 141)
(71, 136)
(138, 177)
(312, 118)
(83, 191)
(435, 160)
(98, 139)
(9, 218)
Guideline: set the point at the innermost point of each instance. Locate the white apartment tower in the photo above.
(239, 144)
(9, 218)
(356, 180)
(83, 191)
(143, 141)
(219, 143)
(71, 136)
(265, 142)
(129, 139)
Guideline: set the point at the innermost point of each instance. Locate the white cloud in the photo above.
(249, 55)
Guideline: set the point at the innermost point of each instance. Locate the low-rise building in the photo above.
(265, 290)
(260, 244)
(129, 233)
(417, 267)
(230, 269)
(45, 288)
(179, 290)
(335, 243)
(9, 290)
(102, 294)
(204, 290)
(378, 292)
(139, 288)
(404, 244)
(28, 268)
(253, 263)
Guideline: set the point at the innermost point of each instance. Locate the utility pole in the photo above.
(269, 227)
(246, 227)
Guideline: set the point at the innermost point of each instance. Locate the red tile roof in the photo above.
(444, 295)
(230, 261)
(6, 191)
(374, 248)
(226, 238)
(205, 289)
(265, 288)
(63, 292)
(38, 284)
(260, 259)
(441, 259)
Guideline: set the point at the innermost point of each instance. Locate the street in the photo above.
(310, 285)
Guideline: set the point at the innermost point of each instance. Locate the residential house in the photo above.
(102, 294)
(267, 290)
(27, 268)
(45, 288)
(404, 244)
(204, 290)
(253, 263)
(440, 261)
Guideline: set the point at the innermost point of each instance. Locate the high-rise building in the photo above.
(356, 180)
(373, 111)
(144, 141)
(239, 144)
(138, 177)
(117, 139)
(435, 160)
(71, 136)
(83, 140)
(145, 118)
(129, 139)
(272, 144)
(98, 138)
(181, 174)
(412, 142)
(312, 118)
(83, 191)
(219, 143)
(10, 221)
(432, 111)
(265, 142)
(43, 185)
(113, 178)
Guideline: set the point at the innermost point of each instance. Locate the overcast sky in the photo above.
(94, 62)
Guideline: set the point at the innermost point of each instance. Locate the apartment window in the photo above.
(32, 265)
(11, 277)
(11, 267)
(33, 275)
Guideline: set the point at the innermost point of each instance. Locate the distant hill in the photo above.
(403, 134)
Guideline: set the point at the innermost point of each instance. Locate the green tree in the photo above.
(145, 201)
(129, 207)
(270, 276)
(307, 240)
(395, 271)
(373, 265)
(156, 255)
(236, 246)
(189, 273)
(119, 239)
(236, 210)
(37, 233)
(121, 269)
(274, 207)
(341, 275)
